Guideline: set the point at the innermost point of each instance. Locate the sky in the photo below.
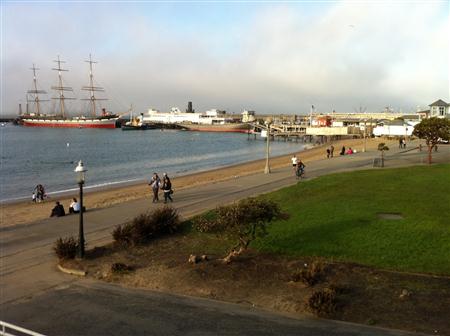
(271, 57)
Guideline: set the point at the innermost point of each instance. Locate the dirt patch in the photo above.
(390, 216)
(363, 295)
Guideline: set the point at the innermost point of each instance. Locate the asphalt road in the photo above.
(92, 308)
(35, 295)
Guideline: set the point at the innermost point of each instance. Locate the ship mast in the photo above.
(61, 88)
(91, 88)
(35, 92)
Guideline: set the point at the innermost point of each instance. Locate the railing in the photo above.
(8, 329)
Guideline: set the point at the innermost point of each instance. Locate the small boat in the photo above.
(130, 127)
(135, 123)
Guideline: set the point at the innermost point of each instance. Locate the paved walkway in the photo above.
(27, 261)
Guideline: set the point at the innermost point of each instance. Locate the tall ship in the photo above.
(95, 117)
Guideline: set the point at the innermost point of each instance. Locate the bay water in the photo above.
(48, 156)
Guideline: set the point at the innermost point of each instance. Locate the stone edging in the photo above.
(71, 271)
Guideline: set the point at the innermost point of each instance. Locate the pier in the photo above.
(304, 133)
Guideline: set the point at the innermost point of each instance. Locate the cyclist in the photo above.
(300, 169)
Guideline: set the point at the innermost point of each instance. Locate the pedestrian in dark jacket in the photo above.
(167, 188)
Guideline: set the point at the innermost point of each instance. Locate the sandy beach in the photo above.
(27, 212)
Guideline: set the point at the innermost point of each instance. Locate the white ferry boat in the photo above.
(210, 121)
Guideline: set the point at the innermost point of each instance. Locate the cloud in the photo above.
(274, 58)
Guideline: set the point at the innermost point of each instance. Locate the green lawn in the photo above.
(335, 216)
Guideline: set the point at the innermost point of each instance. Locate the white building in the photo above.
(248, 116)
(394, 128)
(440, 109)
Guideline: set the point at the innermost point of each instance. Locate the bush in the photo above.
(311, 274)
(243, 221)
(66, 248)
(120, 268)
(147, 226)
(206, 223)
(323, 302)
(122, 234)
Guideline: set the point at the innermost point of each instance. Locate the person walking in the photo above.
(155, 183)
(331, 150)
(294, 163)
(167, 188)
(328, 153)
(400, 143)
(40, 192)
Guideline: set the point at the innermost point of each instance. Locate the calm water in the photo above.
(48, 156)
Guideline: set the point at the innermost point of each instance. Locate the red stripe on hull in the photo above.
(236, 130)
(69, 125)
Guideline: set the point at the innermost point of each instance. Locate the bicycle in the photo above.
(300, 173)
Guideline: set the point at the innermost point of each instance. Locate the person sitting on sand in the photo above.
(74, 207)
(58, 210)
(350, 150)
(343, 150)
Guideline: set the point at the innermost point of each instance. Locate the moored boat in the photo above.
(62, 118)
(226, 127)
(135, 124)
(210, 121)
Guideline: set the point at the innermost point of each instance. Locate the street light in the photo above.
(406, 134)
(268, 122)
(365, 135)
(80, 170)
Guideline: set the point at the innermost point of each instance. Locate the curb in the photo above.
(71, 271)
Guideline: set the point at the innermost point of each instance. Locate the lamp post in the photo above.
(268, 122)
(406, 134)
(365, 135)
(80, 170)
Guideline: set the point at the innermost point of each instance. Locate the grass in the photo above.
(335, 216)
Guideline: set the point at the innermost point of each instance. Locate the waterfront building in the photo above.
(440, 109)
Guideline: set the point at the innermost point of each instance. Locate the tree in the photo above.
(382, 148)
(432, 130)
(244, 221)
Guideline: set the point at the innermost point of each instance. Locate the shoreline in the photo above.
(18, 212)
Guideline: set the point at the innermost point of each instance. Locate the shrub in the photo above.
(205, 225)
(243, 222)
(147, 226)
(66, 248)
(166, 220)
(311, 274)
(120, 268)
(122, 234)
(323, 302)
